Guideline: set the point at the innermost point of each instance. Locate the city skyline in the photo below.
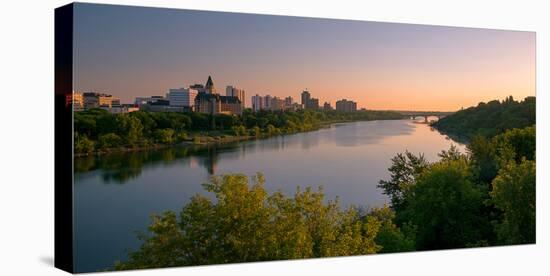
(131, 51)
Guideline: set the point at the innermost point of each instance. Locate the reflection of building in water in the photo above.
(193, 162)
(211, 160)
(309, 140)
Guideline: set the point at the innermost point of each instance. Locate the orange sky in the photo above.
(130, 52)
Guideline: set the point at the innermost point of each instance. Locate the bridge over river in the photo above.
(416, 114)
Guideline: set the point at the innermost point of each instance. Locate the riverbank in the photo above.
(210, 138)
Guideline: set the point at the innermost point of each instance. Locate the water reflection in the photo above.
(348, 160)
(123, 166)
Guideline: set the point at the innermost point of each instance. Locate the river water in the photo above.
(115, 195)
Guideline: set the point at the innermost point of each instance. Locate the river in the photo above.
(115, 195)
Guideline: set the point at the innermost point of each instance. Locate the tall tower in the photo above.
(209, 87)
(305, 98)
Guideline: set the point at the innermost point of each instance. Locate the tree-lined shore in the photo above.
(97, 131)
(489, 119)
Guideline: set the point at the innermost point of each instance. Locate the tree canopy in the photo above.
(245, 224)
(489, 119)
(146, 129)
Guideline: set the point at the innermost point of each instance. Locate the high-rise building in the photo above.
(257, 103)
(277, 104)
(235, 92)
(182, 97)
(267, 102)
(327, 106)
(346, 106)
(313, 103)
(305, 98)
(288, 102)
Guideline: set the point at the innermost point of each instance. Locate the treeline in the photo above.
(482, 198)
(489, 119)
(245, 224)
(98, 130)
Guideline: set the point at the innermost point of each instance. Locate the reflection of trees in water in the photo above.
(361, 133)
(124, 166)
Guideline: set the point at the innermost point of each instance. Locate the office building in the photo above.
(267, 102)
(95, 100)
(346, 106)
(182, 97)
(235, 92)
(306, 96)
(313, 103)
(257, 103)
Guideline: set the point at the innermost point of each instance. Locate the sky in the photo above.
(135, 51)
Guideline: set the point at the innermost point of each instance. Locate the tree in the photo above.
(404, 171)
(239, 130)
(110, 140)
(489, 119)
(390, 237)
(246, 224)
(82, 144)
(514, 194)
(484, 159)
(271, 130)
(488, 155)
(164, 136)
(130, 128)
(516, 144)
(452, 154)
(446, 207)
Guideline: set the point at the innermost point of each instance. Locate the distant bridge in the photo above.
(415, 114)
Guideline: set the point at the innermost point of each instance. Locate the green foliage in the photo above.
(489, 119)
(446, 207)
(516, 144)
(139, 129)
(514, 194)
(246, 224)
(452, 154)
(82, 144)
(404, 171)
(239, 130)
(182, 136)
(484, 159)
(488, 155)
(457, 201)
(164, 136)
(391, 237)
(109, 140)
(130, 128)
(256, 131)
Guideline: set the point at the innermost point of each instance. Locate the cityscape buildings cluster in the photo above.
(204, 99)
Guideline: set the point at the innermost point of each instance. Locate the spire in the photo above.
(209, 87)
(209, 82)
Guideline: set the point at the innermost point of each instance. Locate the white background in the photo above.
(27, 141)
